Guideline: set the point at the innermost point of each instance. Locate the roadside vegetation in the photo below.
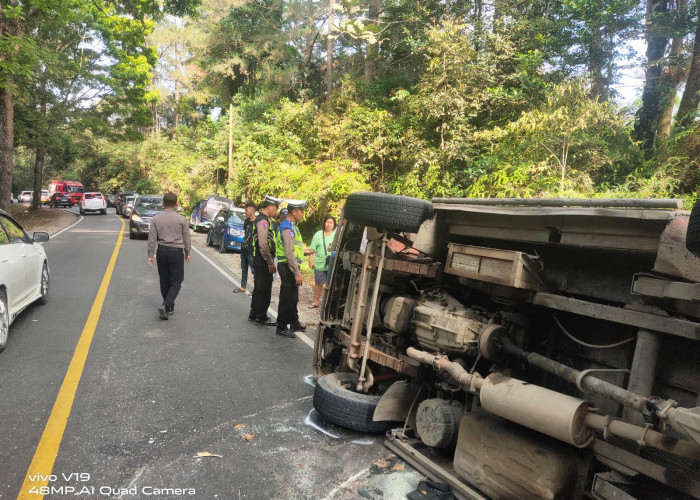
(426, 99)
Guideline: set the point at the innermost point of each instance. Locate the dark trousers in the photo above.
(246, 261)
(287, 313)
(171, 270)
(262, 293)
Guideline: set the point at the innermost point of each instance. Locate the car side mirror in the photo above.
(40, 236)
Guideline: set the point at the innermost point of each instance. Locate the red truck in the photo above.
(74, 189)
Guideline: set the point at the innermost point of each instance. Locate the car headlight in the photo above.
(136, 218)
(235, 232)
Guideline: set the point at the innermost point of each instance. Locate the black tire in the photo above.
(132, 236)
(104, 211)
(82, 212)
(387, 211)
(692, 237)
(339, 405)
(209, 240)
(44, 284)
(222, 244)
(4, 321)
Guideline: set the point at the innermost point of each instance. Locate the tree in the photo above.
(120, 29)
(558, 147)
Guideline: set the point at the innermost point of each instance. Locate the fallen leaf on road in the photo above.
(239, 426)
(207, 454)
(398, 467)
(248, 437)
(382, 463)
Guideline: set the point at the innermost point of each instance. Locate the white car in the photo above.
(24, 272)
(93, 202)
(25, 197)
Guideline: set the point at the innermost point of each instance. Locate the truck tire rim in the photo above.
(4, 322)
(44, 282)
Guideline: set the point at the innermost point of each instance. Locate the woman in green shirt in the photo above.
(321, 245)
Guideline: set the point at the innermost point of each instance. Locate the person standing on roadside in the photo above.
(247, 247)
(290, 253)
(169, 232)
(318, 261)
(263, 263)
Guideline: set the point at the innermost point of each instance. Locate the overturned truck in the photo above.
(519, 348)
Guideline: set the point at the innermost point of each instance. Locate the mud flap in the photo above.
(397, 402)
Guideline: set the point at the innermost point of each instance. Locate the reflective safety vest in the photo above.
(271, 239)
(298, 243)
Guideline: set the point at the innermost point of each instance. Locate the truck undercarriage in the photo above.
(524, 349)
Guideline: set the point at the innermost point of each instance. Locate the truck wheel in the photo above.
(338, 404)
(387, 211)
(209, 240)
(692, 237)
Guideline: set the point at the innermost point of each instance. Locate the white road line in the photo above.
(67, 228)
(336, 490)
(306, 340)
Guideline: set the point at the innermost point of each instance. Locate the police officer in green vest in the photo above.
(290, 253)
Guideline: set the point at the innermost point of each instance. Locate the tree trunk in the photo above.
(230, 139)
(673, 73)
(329, 48)
(6, 141)
(372, 54)
(38, 176)
(670, 78)
(8, 27)
(596, 63)
(688, 108)
(647, 119)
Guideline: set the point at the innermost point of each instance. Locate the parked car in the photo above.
(120, 200)
(45, 196)
(205, 212)
(93, 202)
(25, 197)
(110, 200)
(128, 206)
(145, 208)
(60, 199)
(226, 232)
(24, 272)
(530, 348)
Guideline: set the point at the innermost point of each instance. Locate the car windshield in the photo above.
(237, 217)
(150, 203)
(75, 189)
(92, 195)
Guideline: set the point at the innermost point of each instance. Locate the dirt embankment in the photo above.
(51, 220)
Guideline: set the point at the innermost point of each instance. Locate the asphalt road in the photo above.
(153, 395)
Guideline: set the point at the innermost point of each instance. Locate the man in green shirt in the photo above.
(318, 261)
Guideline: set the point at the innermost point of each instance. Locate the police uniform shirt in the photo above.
(170, 229)
(262, 226)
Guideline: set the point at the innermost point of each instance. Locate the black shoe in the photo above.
(266, 322)
(171, 312)
(251, 317)
(162, 312)
(297, 327)
(285, 332)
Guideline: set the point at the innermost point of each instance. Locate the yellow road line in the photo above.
(47, 449)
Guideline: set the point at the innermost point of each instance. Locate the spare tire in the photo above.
(692, 237)
(337, 403)
(387, 211)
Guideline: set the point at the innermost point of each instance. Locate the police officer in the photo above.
(290, 252)
(171, 235)
(263, 262)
